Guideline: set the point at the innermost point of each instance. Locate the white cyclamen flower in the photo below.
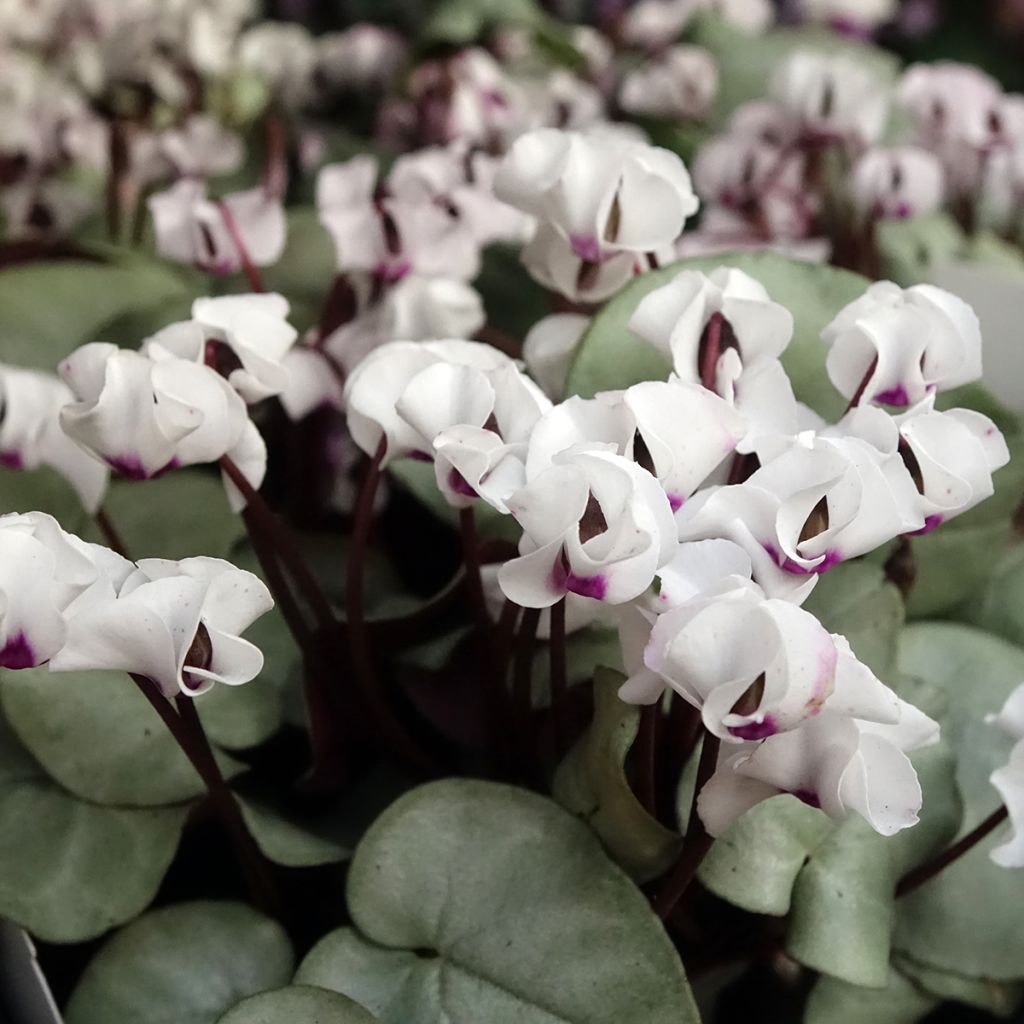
(177, 623)
(144, 416)
(953, 105)
(243, 337)
(549, 348)
(1009, 779)
(219, 236)
(839, 761)
(43, 572)
(364, 56)
(905, 181)
(679, 83)
(834, 97)
(31, 434)
(594, 524)
(283, 55)
(896, 346)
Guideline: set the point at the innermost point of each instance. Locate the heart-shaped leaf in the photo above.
(479, 902)
(97, 736)
(183, 964)
(297, 1004)
(70, 870)
(591, 783)
(966, 919)
(998, 997)
(287, 841)
(838, 1002)
(611, 357)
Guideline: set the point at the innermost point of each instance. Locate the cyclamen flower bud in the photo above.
(897, 183)
(600, 201)
(177, 623)
(242, 337)
(679, 83)
(31, 435)
(896, 346)
(850, 759)
(43, 571)
(594, 524)
(219, 236)
(144, 416)
(1009, 779)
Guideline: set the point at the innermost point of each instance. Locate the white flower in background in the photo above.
(431, 308)
(952, 105)
(951, 457)
(283, 55)
(375, 386)
(833, 97)
(654, 24)
(1009, 779)
(594, 524)
(43, 572)
(679, 83)
(219, 236)
(390, 235)
(905, 181)
(362, 57)
(201, 148)
(177, 623)
(750, 16)
(31, 435)
(549, 348)
(645, 424)
(460, 180)
(856, 17)
(602, 201)
(145, 416)
(467, 96)
(563, 100)
(841, 761)
(242, 337)
(895, 345)
(1001, 196)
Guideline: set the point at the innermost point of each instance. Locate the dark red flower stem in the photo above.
(522, 687)
(110, 533)
(371, 695)
(697, 841)
(863, 385)
(927, 871)
(248, 267)
(558, 676)
(187, 730)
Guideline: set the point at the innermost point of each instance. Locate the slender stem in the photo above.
(646, 757)
(927, 871)
(500, 714)
(497, 338)
(184, 725)
(260, 518)
(697, 842)
(558, 677)
(522, 682)
(110, 533)
(471, 560)
(119, 163)
(901, 566)
(863, 385)
(388, 727)
(250, 269)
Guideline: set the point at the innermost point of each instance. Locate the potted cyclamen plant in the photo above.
(395, 631)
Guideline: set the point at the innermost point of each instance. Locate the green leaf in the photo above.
(240, 717)
(966, 919)
(611, 357)
(855, 600)
(97, 736)
(297, 1004)
(514, 302)
(843, 903)
(591, 783)
(70, 870)
(910, 248)
(181, 514)
(837, 1002)
(756, 863)
(497, 902)
(287, 841)
(999, 608)
(184, 964)
(998, 997)
(48, 309)
(41, 490)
